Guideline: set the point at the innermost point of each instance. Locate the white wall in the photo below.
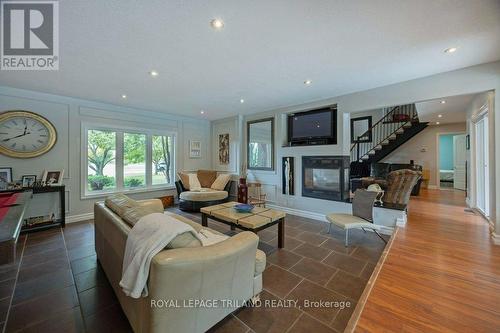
(68, 114)
(423, 149)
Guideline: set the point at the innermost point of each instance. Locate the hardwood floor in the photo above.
(441, 274)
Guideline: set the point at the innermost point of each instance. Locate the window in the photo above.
(134, 160)
(125, 160)
(101, 154)
(161, 158)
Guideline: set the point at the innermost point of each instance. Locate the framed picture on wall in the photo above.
(360, 129)
(194, 149)
(224, 148)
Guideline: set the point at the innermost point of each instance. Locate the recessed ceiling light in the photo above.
(437, 122)
(217, 24)
(242, 101)
(450, 50)
(202, 112)
(154, 73)
(308, 82)
(440, 116)
(443, 102)
(124, 96)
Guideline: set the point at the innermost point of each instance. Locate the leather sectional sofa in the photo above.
(229, 270)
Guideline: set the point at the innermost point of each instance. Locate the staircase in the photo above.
(397, 126)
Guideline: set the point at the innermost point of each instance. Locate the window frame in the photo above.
(119, 162)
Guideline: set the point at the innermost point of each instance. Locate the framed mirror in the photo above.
(359, 129)
(260, 144)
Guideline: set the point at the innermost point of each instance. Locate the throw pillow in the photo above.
(118, 203)
(133, 214)
(194, 183)
(221, 182)
(184, 178)
(206, 177)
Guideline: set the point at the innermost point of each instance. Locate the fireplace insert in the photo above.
(325, 177)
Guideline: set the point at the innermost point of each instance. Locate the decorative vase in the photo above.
(243, 191)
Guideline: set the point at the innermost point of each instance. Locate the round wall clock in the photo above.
(25, 134)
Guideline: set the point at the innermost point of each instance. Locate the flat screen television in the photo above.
(313, 127)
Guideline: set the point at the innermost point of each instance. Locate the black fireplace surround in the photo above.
(325, 177)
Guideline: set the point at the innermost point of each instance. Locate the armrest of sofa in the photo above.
(154, 204)
(221, 271)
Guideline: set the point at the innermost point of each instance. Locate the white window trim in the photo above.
(120, 188)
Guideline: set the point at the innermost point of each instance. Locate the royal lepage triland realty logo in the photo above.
(30, 35)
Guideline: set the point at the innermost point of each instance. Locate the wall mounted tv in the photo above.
(315, 127)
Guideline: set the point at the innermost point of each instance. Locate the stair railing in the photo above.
(395, 119)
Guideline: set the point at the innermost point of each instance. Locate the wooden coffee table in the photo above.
(259, 219)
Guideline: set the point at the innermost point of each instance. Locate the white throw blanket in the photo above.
(147, 238)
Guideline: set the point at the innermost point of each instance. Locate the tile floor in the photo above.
(56, 284)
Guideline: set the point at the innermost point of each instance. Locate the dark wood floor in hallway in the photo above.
(441, 274)
(57, 285)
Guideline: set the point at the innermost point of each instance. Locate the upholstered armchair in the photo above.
(400, 183)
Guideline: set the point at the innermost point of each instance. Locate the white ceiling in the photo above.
(264, 53)
(452, 111)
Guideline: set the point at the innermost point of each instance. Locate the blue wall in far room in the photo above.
(446, 152)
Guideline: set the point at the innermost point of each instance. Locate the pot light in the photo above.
(440, 116)
(242, 101)
(437, 123)
(217, 24)
(443, 102)
(202, 112)
(307, 82)
(450, 50)
(124, 96)
(154, 73)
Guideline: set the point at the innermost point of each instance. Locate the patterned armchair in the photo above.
(399, 186)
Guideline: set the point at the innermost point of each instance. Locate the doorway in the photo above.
(482, 168)
(452, 161)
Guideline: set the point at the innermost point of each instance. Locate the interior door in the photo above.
(482, 169)
(459, 159)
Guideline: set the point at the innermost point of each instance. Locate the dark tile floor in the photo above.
(56, 284)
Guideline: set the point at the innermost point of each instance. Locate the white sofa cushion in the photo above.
(203, 195)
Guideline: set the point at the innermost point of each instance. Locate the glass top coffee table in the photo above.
(258, 219)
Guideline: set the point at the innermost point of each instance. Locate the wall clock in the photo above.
(25, 134)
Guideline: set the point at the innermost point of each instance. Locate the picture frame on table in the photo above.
(28, 181)
(5, 177)
(53, 177)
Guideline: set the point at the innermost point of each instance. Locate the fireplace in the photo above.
(325, 177)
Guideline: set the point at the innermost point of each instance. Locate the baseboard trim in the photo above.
(299, 212)
(319, 217)
(496, 238)
(79, 218)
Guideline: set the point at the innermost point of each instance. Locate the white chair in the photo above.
(361, 217)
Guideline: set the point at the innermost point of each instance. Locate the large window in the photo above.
(134, 160)
(125, 160)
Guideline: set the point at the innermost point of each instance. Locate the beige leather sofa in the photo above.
(229, 270)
